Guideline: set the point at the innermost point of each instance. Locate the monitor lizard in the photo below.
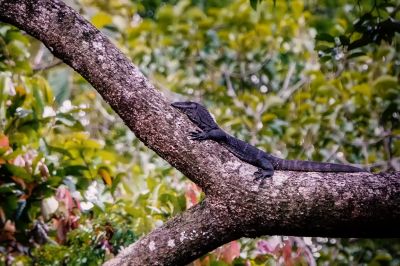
(265, 162)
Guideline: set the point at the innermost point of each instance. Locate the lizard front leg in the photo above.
(199, 135)
(214, 134)
(265, 170)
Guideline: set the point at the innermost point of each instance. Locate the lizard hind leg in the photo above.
(266, 170)
(262, 174)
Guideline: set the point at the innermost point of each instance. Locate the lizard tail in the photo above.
(309, 166)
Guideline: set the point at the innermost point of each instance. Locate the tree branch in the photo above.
(182, 239)
(356, 205)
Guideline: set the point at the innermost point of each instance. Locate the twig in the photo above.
(55, 63)
(285, 95)
(289, 75)
(232, 93)
(244, 73)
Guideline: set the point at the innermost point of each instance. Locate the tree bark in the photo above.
(290, 203)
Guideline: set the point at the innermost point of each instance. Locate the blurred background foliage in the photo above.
(76, 186)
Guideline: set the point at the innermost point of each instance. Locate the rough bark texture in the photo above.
(290, 203)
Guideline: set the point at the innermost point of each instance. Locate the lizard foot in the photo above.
(198, 135)
(263, 175)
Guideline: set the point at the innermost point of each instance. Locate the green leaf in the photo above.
(385, 82)
(15, 35)
(74, 170)
(39, 102)
(382, 256)
(60, 150)
(356, 54)
(91, 144)
(16, 102)
(8, 188)
(325, 37)
(69, 121)
(59, 83)
(36, 160)
(34, 210)
(101, 19)
(19, 172)
(116, 181)
(344, 40)
(325, 58)
(9, 204)
(323, 47)
(166, 16)
(363, 89)
(17, 152)
(254, 4)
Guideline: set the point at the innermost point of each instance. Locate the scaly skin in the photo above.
(266, 163)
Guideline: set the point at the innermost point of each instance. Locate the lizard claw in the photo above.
(262, 175)
(258, 175)
(198, 135)
(195, 133)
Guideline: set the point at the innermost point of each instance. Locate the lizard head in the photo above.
(197, 113)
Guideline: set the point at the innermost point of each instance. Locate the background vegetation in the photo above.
(76, 185)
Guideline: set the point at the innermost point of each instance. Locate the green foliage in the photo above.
(353, 34)
(262, 70)
(88, 245)
(61, 175)
(13, 53)
(360, 23)
(362, 251)
(71, 169)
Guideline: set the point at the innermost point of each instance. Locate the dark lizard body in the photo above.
(266, 163)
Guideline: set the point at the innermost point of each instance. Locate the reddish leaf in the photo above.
(192, 194)
(270, 246)
(287, 253)
(202, 262)
(7, 232)
(4, 143)
(19, 181)
(64, 196)
(228, 252)
(61, 231)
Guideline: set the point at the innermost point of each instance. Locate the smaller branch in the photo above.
(285, 95)
(39, 55)
(232, 93)
(394, 162)
(37, 61)
(56, 62)
(321, 204)
(250, 72)
(333, 153)
(243, 73)
(289, 75)
(181, 240)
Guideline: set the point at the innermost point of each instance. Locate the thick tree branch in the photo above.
(181, 239)
(291, 203)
